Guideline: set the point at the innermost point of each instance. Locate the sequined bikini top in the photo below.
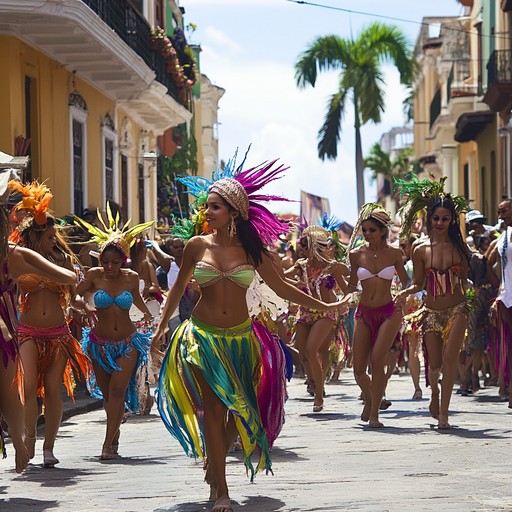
(443, 282)
(30, 283)
(206, 275)
(103, 300)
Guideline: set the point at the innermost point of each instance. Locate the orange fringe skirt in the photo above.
(52, 344)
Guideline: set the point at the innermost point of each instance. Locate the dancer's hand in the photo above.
(401, 299)
(340, 307)
(156, 342)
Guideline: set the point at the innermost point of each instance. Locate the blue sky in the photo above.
(249, 48)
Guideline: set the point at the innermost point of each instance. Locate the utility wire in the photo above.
(383, 16)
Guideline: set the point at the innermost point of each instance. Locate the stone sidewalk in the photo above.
(322, 462)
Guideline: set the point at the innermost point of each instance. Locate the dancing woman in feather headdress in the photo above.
(49, 353)
(377, 317)
(440, 266)
(220, 364)
(16, 261)
(116, 348)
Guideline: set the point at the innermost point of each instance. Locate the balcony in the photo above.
(499, 81)
(106, 43)
(435, 108)
(506, 5)
(460, 83)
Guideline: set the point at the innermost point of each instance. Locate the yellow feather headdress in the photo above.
(123, 238)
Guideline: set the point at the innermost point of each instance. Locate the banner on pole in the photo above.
(313, 207)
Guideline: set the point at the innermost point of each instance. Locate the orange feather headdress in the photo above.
(33, 207)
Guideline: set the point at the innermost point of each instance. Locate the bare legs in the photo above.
(414, 364)
(444, 358)
(53, 378)
(29, 354)
(113, 387)
(217, 440)
(363, 353)
(320, 331)
(12, 411)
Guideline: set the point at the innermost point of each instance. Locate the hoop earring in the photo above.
(232, 228)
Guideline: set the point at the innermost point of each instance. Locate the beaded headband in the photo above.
(234, 193)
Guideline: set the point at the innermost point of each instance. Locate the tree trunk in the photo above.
(359, 160)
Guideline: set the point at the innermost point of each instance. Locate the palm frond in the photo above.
(329, 134)
(324, 53)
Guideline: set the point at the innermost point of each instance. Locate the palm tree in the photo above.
(361, 81)
(381, 164)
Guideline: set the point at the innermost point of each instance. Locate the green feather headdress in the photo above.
(111, 235)
(368, 210)
(420, 194)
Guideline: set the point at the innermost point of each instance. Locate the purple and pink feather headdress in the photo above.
(266, 224)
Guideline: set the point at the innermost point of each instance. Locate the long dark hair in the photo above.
(249, 238)
(61, 247)
(454, 229)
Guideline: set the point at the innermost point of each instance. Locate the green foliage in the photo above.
(171, 199)
(419, 194)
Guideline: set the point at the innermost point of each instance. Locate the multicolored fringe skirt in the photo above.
(244, 365)
(504, 332)
(105, 353)
(52, 344)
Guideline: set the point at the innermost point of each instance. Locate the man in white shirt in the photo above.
(500, 253)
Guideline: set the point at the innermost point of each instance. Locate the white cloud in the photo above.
(263, 106)
(217, 38)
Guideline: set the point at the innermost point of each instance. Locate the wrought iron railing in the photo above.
(435, 107)
(460, 82)
(135, 31)
(499, 67)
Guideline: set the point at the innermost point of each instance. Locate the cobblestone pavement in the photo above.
(322, 462)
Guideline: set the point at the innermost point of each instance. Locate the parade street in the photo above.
(322, 462)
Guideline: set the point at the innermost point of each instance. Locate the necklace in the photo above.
(376, 251)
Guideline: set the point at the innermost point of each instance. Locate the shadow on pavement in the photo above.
(250, 504)
(328, 416)
(27, 504)
(278, 454)
(134, 461)
(54, 477)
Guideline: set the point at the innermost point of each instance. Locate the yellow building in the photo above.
(463, 102)
(82, 83)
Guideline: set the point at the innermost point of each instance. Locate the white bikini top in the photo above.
(385, 273)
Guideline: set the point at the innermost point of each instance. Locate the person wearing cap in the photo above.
(475, 222)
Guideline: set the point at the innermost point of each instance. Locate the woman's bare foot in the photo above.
(318, 405)
(115, 442)
(21, 455)
(107, 453)
(49, 460)
(443, 423)
(223, 504)
(375, 423)
(365, 415)
(30, 444)
(434, 405)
